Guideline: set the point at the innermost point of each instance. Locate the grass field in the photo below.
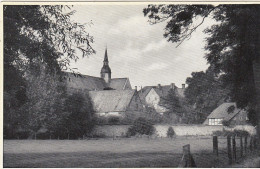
(141, 152)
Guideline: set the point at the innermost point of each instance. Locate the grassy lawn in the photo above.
(142, 152)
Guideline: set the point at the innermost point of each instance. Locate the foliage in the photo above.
(113, 120)
(35, 37)
(226, 123)
(45, 99)
(239, 133)
(252, 116)
(170, 132)
(205, 92)
(178, 110)
(231, 46)
(141, 126)
(78, 119)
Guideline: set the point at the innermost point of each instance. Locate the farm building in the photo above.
(151, 95)
(227, 112)
(115, 102)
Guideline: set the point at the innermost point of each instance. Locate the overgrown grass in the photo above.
(146, 152)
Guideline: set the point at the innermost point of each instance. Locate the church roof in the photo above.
(111, 100)
(84, 82)
(118, 83)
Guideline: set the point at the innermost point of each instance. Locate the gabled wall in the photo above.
(153, 99)
(135, 104)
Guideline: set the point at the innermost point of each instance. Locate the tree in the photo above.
(232, 45)
(141, 126)
(172, 104)
(205, 92)
(177, 109)
(170, 132)
(45, 96)
(78, 118)
(36, 34)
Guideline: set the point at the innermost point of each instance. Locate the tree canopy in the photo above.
(232, 44)
(39, 42)
(205, 92)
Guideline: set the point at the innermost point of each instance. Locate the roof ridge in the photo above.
(82, 75)
(120, 78)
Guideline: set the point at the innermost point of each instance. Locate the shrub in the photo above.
(226, 123)
(241, 133)
(170, 132)
(217, 133)
(131, 131)
(113, 120)
(141, 126)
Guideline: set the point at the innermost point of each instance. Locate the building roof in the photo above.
(143, 92)
(162, 91)
(225, 112)
(111, 100)
(118, 83)
(84, 82)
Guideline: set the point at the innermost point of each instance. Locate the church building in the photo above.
(110, 96)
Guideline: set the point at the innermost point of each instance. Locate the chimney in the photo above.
(183, 86)
(159, 86)
(136, 88)
(172, 85)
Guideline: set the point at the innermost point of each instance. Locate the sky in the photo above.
(137, 49)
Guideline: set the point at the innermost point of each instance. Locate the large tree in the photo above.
(43, 35)
(205, 92)
(233, 44)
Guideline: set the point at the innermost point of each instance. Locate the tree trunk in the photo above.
(256, 67)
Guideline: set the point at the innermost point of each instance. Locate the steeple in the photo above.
(106, 71)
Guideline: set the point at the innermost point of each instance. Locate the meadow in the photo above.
(127, 152)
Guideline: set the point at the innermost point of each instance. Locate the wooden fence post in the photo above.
(245, 145)
(241, 146)
(251, 143)
(229, 149)
(187, 160)
(215, 145)
(234, 148)
(255, 142)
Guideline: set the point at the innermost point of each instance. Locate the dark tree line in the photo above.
(232, 47)
(39, 42)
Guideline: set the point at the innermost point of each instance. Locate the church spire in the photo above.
(106, 71)
(106, 58)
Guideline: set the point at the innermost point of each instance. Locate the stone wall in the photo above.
(161, 130)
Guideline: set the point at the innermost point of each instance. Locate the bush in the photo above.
(217, 133)
(113, 120)
(226, 123)
(241, 133)
(141, 126)
(170, 132)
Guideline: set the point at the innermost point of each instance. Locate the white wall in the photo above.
(180, 130)
(153, 99)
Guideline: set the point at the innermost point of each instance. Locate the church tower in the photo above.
(106, 71)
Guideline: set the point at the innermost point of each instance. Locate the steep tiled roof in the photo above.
(222, 111)
(143, 92)
(162, 91)
(111, 100)
(118, 83)
(84, 82)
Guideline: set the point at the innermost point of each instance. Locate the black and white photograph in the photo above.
(131, 85)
